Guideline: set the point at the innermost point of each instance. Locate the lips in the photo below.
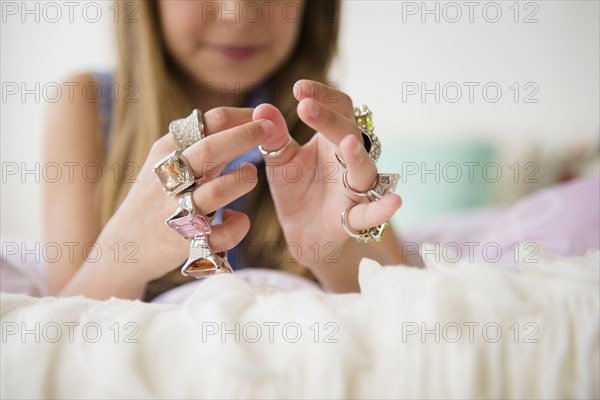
(235, 52)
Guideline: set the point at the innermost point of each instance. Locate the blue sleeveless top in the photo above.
(257, 97)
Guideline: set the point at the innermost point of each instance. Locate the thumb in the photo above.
(279, 137)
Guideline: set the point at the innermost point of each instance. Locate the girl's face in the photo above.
(229, 45)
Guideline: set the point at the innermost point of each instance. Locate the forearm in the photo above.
(107, 277)
(104, 280)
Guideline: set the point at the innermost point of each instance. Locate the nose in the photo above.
(232, 11)
(241, 11)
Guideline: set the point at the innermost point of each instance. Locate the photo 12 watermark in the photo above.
(56, 12)
(491, 252)
(69, 252)
(69, 91)
(71, 332)
(470, 92)
(469, 332)
(470, 12)
(269, 332)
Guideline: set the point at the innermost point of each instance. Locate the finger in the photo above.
(327, 94)
(214, 120)
(362, 171)
(219, 192)
(207, 157)
(230, 232)
(221, 118)
(327, 121)
(368, 215)
(280, 139)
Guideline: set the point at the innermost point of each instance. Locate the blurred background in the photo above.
(475, 103)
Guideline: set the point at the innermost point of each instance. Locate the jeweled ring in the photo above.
(175, 173)
(203, 261)
(187, 222)
(374, 234)
(275, 153)
(384, 184)
(364, 120)
(187, 131)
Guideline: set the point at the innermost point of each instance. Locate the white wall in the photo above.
(384, 48)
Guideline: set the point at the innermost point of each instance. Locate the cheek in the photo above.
(285, 36)
(179, 21)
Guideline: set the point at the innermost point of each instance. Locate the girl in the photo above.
(180, 55)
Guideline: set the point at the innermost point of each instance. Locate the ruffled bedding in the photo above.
(525, 325)
(460, 330)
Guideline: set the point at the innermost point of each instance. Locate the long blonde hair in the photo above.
(158, 98)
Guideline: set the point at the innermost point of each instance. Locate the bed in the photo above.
(523, 326)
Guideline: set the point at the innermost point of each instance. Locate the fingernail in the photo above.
(313, 109)
(268, 127)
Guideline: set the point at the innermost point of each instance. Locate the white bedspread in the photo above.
(447, 331)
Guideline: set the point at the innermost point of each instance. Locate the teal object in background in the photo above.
(440, 177)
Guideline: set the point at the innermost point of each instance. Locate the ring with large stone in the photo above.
(187, 222)
(384, 184)
(203, 261)
(374, 234)
(187, 131)
(175, 173)
(364, 120)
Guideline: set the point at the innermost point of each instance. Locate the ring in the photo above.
(341, 161)
(364, 120)
(384, 184)
(175, 173)
(203, 261)
(186, 222)
(374, 234)
(275, 153)
(187, 131)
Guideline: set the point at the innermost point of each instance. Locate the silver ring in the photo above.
(175, 173)
(275, 153)
(187, 131)
(374, 234)
(354, 192)
(384, 184)
(340, 160)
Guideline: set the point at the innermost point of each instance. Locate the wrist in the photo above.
(111, 268)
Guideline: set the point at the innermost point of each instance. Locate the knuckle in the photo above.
(162, 146)
(205, 150)
(250, 132)
(218, 117)
(330, 120)
(213, 192)
(347, 100)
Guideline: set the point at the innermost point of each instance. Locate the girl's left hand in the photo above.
(306, 181)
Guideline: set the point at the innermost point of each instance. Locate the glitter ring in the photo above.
(187, 131)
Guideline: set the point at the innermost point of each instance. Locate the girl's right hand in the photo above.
(140, 220)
